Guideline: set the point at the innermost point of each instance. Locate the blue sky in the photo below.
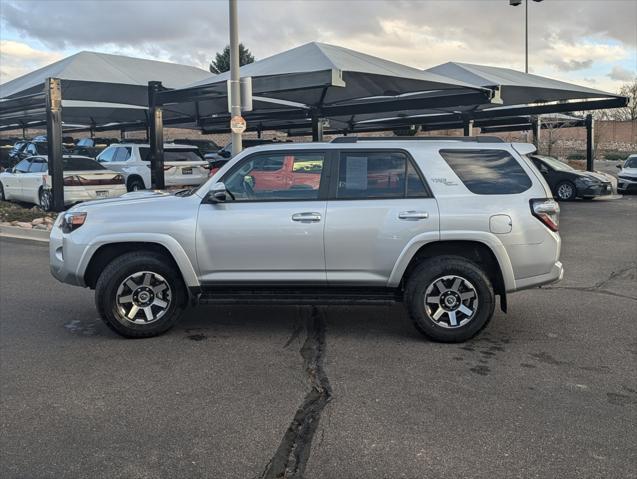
(591, 42)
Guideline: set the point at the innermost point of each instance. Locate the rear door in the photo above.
(378, 203)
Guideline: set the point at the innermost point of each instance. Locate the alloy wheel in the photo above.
(451, 301)
(143, 297)
(45, 200)
(565, 191)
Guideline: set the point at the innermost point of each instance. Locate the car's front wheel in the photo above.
(44, 197)
(449, 298)
(140, 294)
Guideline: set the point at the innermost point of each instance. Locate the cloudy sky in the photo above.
(591, 42)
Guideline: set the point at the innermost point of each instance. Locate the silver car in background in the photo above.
(443, 226)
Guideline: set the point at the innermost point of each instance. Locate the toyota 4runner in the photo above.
(443, 225)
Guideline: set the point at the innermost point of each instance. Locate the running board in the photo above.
(299, 296)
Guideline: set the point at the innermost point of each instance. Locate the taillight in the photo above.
(71, 181)
(118, 179)
(166, 168)
(547, 211)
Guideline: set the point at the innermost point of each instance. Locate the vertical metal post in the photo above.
(53, 93)
(467, 127)
(235, 92)
(317, 127)
(526, 36)
(156, 137)
(122, 134)
(536, 125)
(590, 142)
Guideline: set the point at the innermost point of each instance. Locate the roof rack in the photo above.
(476, 139)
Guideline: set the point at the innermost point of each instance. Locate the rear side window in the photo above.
(488, 172)
(122, 154)
(378, 174)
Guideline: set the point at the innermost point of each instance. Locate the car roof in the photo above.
(166, 145)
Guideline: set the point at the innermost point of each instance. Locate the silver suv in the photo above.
(442, 225)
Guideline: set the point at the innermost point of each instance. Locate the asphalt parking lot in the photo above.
(548, 390)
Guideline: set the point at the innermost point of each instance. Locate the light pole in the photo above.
(517, 3)
(235, 93)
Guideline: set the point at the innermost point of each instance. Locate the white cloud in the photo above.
(622, 74)
(18, 58)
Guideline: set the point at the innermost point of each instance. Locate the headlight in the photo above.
(587, 181)
(72, 221)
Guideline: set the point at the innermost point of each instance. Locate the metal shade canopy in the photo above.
(324, 80)
(102, 77)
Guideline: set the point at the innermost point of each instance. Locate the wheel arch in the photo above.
(131, 178)
(103, 252)
(476, 251)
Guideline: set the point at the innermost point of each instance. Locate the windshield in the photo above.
(71, 164)
(555, 163)
(631, 162)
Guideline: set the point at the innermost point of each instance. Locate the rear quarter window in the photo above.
(488, 172)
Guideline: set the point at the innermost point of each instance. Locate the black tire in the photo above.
(2, 198)
(119, 270)
(135, 184)
(429, 272)
(565, 191)
(44, 197)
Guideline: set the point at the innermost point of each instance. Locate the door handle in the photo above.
(413, 215)
(308, 217)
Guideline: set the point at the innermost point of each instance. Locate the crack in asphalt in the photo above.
(291, 457)
(629, 273)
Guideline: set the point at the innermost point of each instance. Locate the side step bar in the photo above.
(300, 296)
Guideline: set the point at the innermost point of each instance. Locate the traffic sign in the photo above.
(237, 124)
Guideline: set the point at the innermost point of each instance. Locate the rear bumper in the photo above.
(556, 274)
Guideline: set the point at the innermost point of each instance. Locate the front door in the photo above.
(381, 204)
(268, 230)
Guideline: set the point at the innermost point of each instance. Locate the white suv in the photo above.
(443, 226)
(183, 164)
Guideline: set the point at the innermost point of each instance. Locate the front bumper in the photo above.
(602, 189)
(60, 255)
(627, 185)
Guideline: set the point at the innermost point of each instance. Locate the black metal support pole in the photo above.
(53, 93)
(317, 128)
(590, 142)
(536, 125)
(467, 127)
(156, 137)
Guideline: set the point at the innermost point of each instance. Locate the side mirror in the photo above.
(225, 153)
(619, 166)
(217, 194)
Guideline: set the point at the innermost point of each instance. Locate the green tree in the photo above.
(221, 63)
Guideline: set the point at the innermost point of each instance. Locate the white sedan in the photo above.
(84, 179)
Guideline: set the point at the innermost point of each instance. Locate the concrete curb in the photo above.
(23, 233)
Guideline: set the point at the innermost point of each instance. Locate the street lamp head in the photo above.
(515, 3)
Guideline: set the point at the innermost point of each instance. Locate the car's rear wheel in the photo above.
(44, 196)
(140, 294)
(449, 298)
(2, 197)
(565, 191)
(136, 184)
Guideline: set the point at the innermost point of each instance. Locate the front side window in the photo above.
(121, 154)
(38, 165)
(379, 174)
(107, 155)
(23, 166)
(297, 177)
(487, 172)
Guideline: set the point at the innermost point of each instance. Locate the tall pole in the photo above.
(526, 36)
(235, 93)
(53, 94)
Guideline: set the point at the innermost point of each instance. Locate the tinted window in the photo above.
(23, 166)
(84, 164)
(173, 154)
(85, 142)
(381, 174)
(631, 162)
(297, 178)
(38, 165)
(488, 172)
